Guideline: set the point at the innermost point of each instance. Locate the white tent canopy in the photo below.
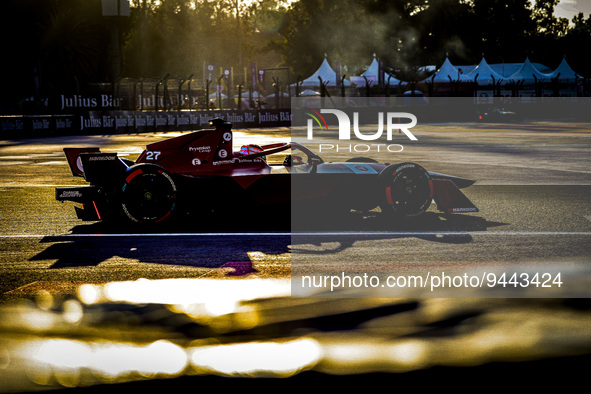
(528, 73)
(483, 74)
(505, 70)
(447, 73)
(373, 70)
(247, 94)
(372, 74)
(564, 72)
(326, 73)
(309, 93)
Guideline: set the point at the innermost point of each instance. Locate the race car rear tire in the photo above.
(148, 194)
(406, 190)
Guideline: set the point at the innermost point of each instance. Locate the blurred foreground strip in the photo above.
(164, 329)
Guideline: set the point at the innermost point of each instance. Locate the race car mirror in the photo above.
(314, 162)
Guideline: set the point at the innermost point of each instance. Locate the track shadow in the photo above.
(431, 226)
(205, 251)
(374, 221)
(228, 243)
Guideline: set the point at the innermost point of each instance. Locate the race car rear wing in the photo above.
(73, 157)
(96, 167)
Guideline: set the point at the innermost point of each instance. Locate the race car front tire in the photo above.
(148, 194)
(406, 190)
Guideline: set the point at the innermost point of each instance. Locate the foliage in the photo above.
(51, 45)
(63, 45)
(408, 34)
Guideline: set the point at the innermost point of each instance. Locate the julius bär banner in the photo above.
(98, 122)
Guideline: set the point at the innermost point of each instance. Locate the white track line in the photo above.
(321, 234)
(484, 183)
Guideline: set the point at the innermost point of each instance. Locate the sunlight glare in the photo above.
(109, 360)
(186, 291)
(273, 358)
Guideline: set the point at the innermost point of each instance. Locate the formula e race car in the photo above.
(199, 173)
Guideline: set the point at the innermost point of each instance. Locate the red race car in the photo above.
(199, 173)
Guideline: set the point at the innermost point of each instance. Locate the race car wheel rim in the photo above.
(148, 195)
(407, 188)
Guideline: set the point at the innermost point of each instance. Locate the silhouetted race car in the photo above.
(198, 173)
(498, 115)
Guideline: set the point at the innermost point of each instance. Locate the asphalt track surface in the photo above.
(533, 187)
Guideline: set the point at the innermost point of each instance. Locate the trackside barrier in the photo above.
(122, 122)
(426, 110)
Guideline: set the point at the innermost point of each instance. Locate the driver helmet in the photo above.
(297, 159)
(251, 149)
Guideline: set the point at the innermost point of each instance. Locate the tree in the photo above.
(546, 22)
(73, 46)
(66, 47)
(444, 27)
(504, 27)
(55, 47)
(575, 44)
(179, 36)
